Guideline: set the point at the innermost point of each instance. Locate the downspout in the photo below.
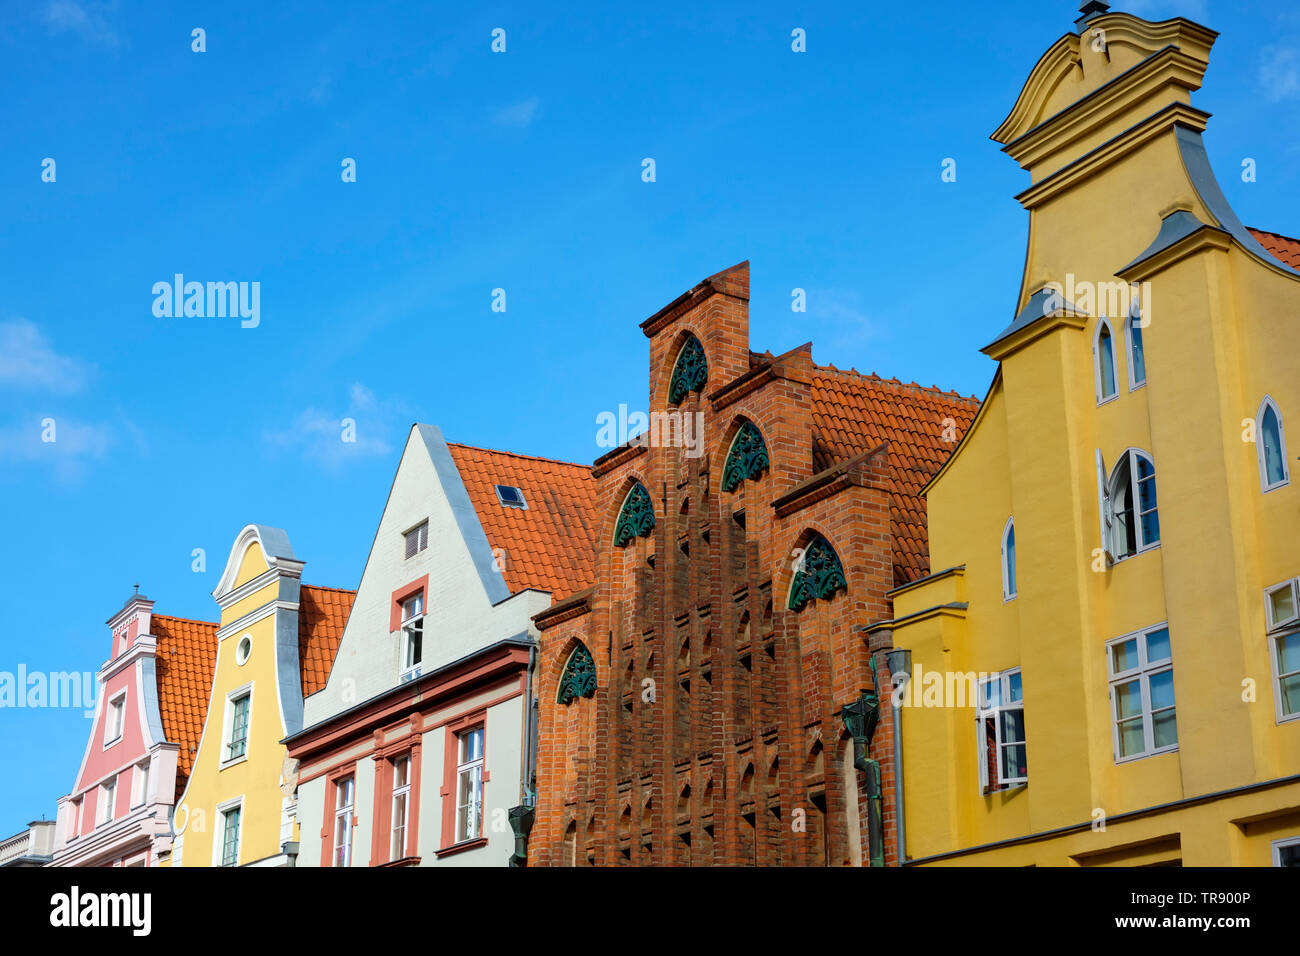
(900, 662)
(521, 817)
(860, 720)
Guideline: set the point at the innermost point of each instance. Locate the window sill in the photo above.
(227, 764)
(461, 847)
(404, 861)
(1143, 756)
(1280, 484)
(116, 740)
(1288, 718)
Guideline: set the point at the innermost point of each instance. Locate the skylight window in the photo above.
(511, 497)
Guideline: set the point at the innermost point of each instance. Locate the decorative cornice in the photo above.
(778, 367)
(571, 607)
(618, 456)
(825, 483)
(689, 300)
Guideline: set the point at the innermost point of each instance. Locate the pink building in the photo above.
(151, 698)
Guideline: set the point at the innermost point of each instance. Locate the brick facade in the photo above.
(714, 735)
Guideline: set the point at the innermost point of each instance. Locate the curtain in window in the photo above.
(1272, 437)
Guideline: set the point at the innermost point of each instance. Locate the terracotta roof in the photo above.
(322, 613)
(853, 413)
(551, 544)
(1282, 248)
(187, 657)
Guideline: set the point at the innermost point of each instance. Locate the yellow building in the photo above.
(276, 643)
(1105, 673)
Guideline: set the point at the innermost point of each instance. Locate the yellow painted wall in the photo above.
(1217, 342)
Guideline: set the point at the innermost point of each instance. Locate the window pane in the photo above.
(1282, 604)
(990, 694)
(1124, 656)
(471, 745)
(1289, 855)
(1011, 560)
(1131, 737)
(1013, 726)
(1013, 688)
(1162, 690)
(400, 771)
(1106, 355)
(1290, 695)
(1158, 646)
(1272, 447)
(1288, 653)
(1164, 729)
(1137, 355)
(1128, 699)
(1015, 765)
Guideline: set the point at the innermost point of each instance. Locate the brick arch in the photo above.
(718, 454)
(614, 507)
(686, 329)
(783, 575)
(559, 663)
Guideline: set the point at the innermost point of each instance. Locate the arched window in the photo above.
(1137, 361)
(747, 458)
(1270, 443)
(1009, 560)
(1130, 522)
(636, 519)
(579, 676)
(1103, 353)
(691, 371)
(818, 575)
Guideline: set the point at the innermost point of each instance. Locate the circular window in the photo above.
(244, 649)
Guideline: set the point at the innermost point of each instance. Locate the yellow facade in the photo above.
(1120, 193)
(258, 643)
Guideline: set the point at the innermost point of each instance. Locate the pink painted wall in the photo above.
(129, 749)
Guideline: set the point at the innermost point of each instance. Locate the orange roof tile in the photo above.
(322, 614)
(1282, 248)
(187, 657)
(853, 413)
(551, 544)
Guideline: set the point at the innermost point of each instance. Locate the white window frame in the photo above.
(1278, 845)
(409, 670)
(1275, 658)
(219, 838)
(396, 852)
(1110, 526)
(1264, 486)
(115, 718)
(77, 805)
(983, 713)
(421, 532)
(475, 769)
(1143, 672)
(1009, 582)
(140, 783)
(1135, 315)
(106, 801)
(1104, 323)
(228, 726)
(1294, 586)
(343, 814)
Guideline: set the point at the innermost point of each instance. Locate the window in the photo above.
(1282, 605)
(107, 801)
(237, 742)
(1286, 852)
(690, 373)
(417, 539)
(401, 805)
(412, 636)
(116, 719)
(1000, 720)
(230, 835)
(244, 649)
(511, 497)
(1130, 521)
(140, 794)
(75, 819)
(1009, 560)
(469, 785)
(1137, 362)
(1103, 353)
(1286, 660)
(345, 791)
(1142, 693)
(1270, 444)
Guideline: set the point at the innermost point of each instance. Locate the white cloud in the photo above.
(85, 18)
(74, 443)
(1279, 72)
(359, 431)
(841, 312)
(519, 115)
(28, 360)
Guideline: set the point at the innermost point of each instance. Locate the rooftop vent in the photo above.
(511, 497)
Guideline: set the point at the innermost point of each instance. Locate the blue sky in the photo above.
(475, 171)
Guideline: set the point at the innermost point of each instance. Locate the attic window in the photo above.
(417, 539)
(511, 497)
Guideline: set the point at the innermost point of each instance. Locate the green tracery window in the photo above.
(747, 458)
(691, 371)
(579, 677)
(637, 519)
(819, 576)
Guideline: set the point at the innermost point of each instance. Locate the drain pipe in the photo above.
(521, 817)
(900, 664)
(860, 720)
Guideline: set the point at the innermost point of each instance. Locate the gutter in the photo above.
(900, 662)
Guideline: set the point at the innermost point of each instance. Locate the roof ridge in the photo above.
(872, 377)
(516, 454)
(1270, 232)
(326, 587)
(185, 620)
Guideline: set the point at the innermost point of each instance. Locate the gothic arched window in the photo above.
(636, 519)
(579, 676)
(818, 576)
(747, 459)
(691, 371)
